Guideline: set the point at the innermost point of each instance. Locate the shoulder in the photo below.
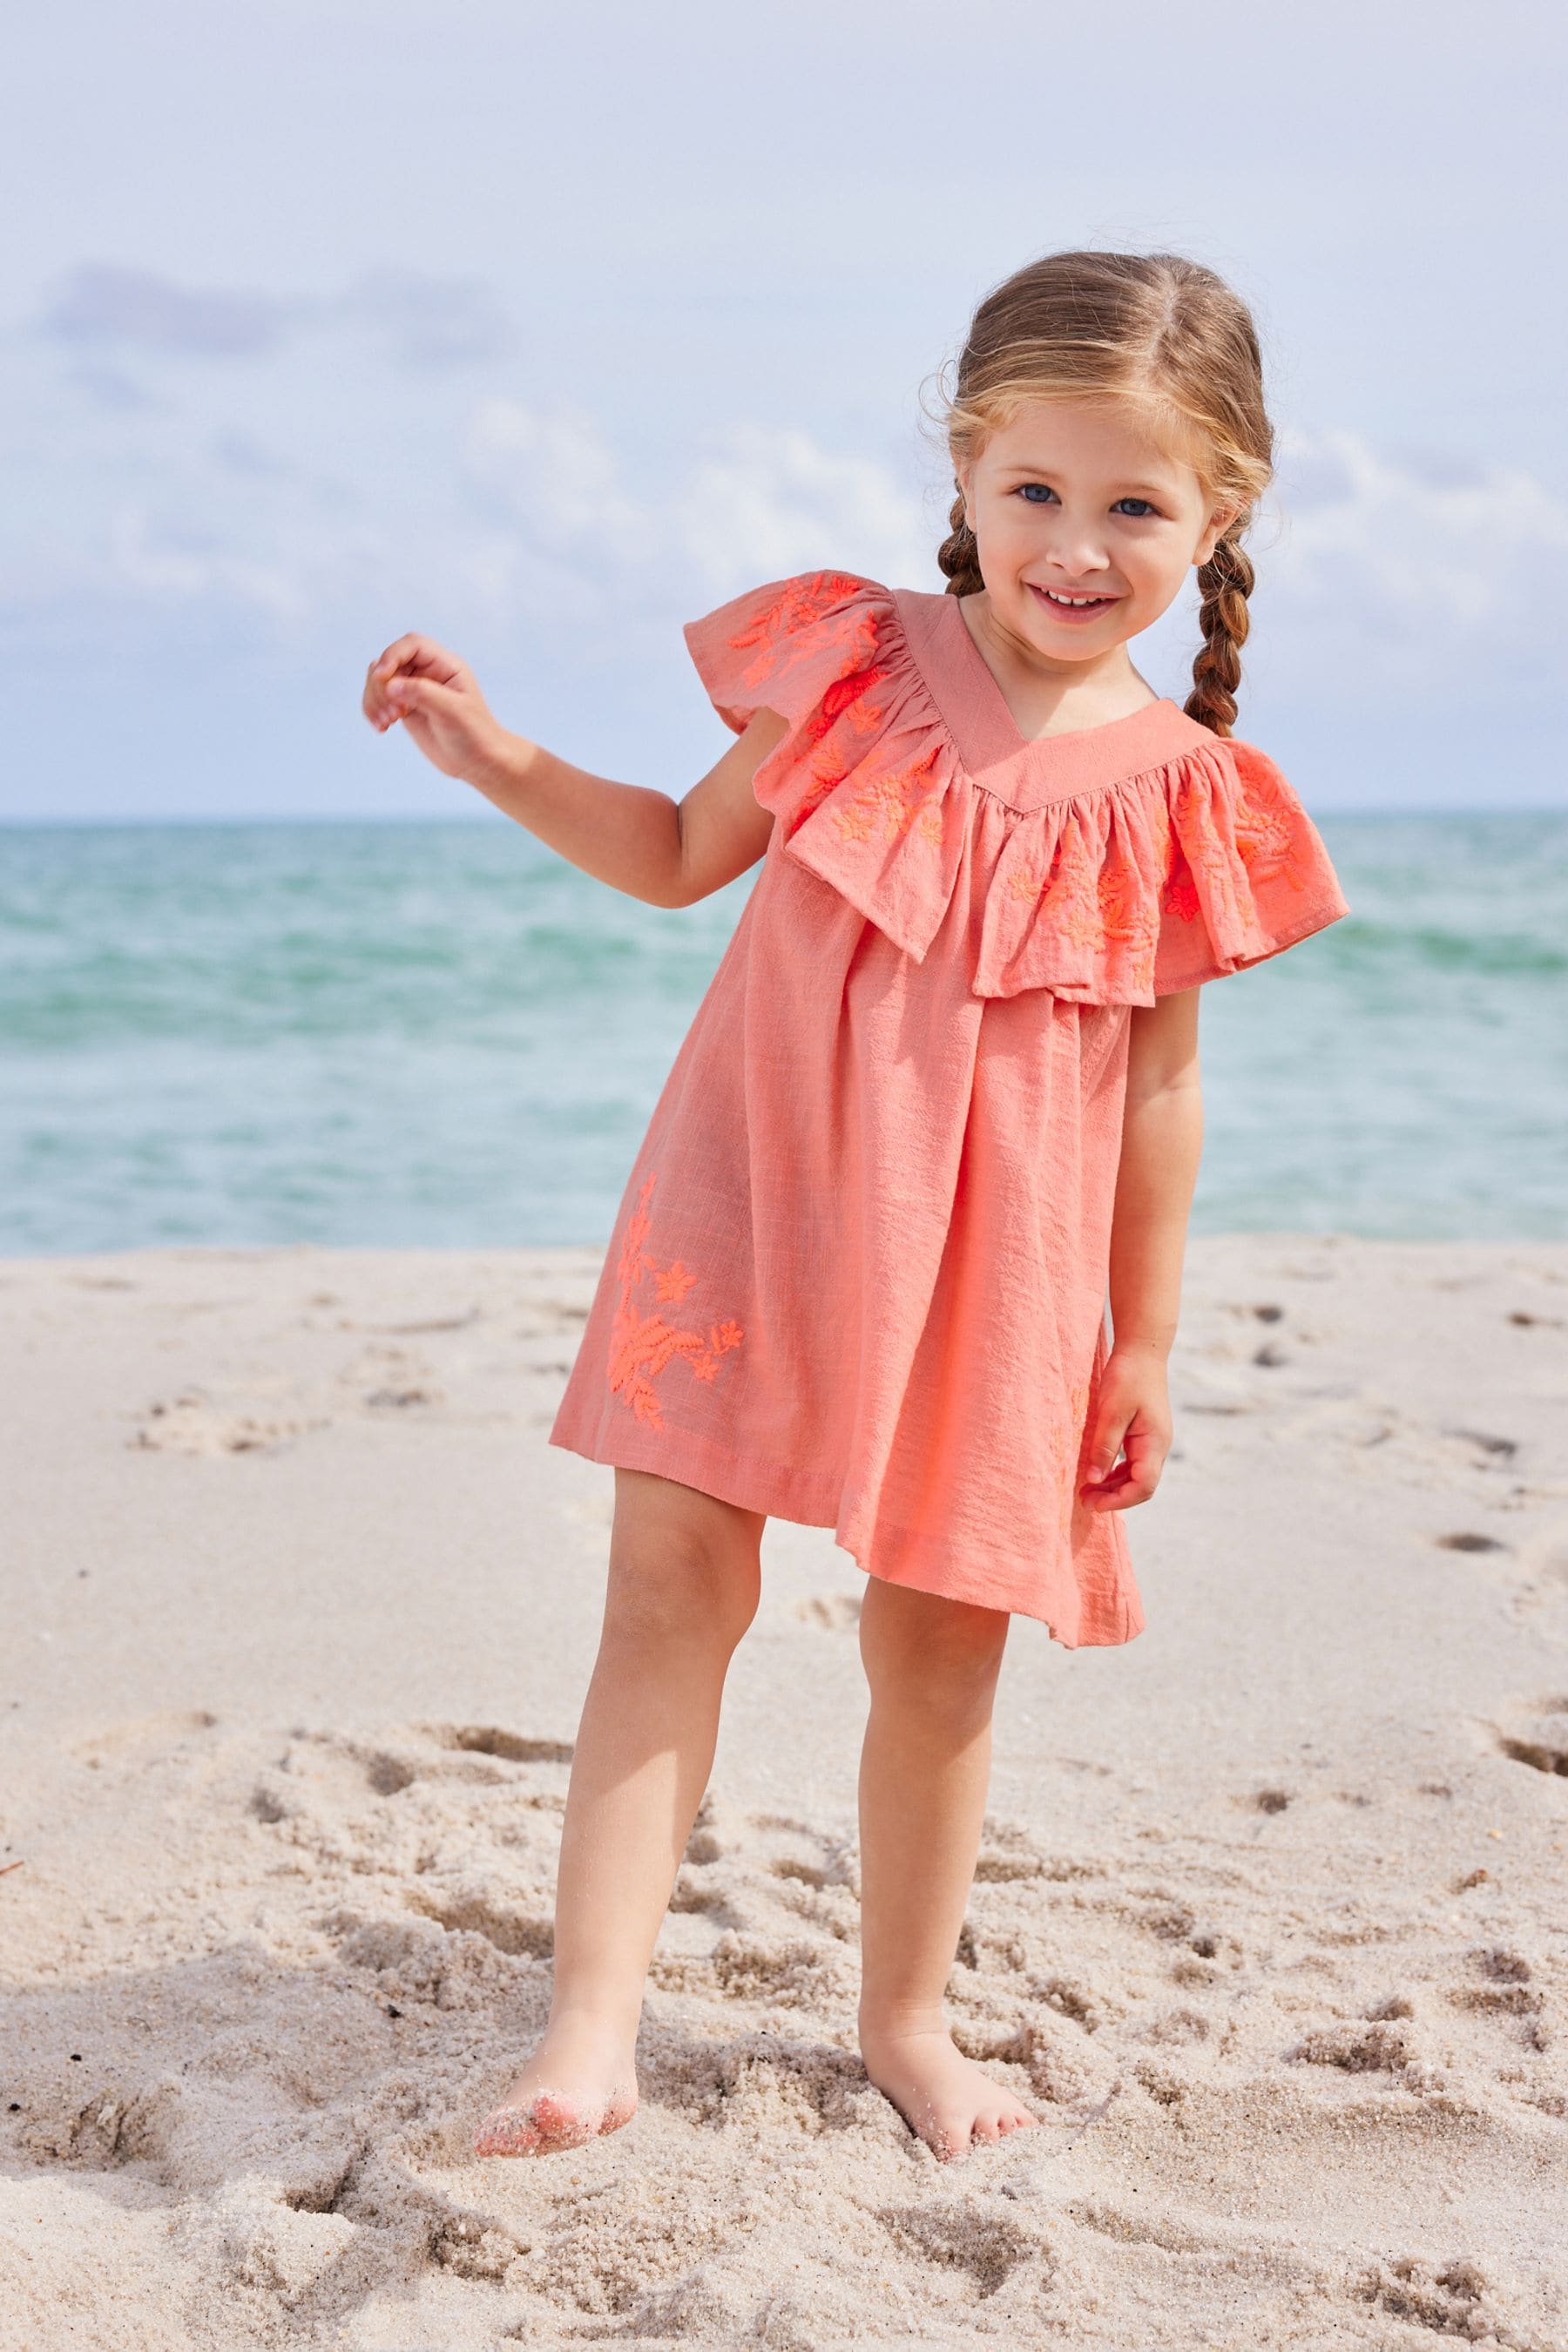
(781, 643)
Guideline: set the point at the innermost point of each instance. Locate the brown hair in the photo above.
(1172, 339)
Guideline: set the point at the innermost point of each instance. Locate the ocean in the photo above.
(441, 1035)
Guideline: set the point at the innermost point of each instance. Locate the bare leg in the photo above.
(932, 1666)
(683, 1587)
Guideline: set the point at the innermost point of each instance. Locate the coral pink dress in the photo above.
(858, 1277)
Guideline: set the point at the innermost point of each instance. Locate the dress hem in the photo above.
(750, 1489)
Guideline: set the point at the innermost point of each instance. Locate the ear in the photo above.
(1219, 522)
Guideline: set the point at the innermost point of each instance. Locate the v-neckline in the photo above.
(985, 677)
(979, 722)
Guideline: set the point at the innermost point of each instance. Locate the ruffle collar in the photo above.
(985, 734)
(1110, 865)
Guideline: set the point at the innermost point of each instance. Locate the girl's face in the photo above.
(1073, 501)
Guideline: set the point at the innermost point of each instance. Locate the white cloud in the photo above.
(284, 502)
(767, 504)
(761, 505)
(1432, 572)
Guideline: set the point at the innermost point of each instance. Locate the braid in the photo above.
(959, 555)
(1226, 581)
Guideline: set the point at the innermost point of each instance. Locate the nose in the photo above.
(1077, 550)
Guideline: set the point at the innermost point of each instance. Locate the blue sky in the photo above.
(545, 331)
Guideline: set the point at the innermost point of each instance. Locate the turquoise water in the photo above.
(440, 1034)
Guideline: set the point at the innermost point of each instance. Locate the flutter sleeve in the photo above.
(782, 646)
(1245, 870)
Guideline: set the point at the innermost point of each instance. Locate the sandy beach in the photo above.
(1271, 1923)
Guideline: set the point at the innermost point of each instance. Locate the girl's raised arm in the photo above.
(670, 853)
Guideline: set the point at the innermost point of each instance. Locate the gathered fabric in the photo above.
(859, 1274)
(1083, 856)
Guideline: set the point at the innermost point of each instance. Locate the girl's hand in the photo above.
(438, 700)
(1132, 1413)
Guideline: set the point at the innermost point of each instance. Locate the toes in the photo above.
(560, 2123)
(987, 2128)
(508, 2131)
(623, 2106)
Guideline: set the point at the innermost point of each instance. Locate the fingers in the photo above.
(407, 697)
(1111, 1426)
(1120, 1491)
(1129, 1482)
(1109, 1484)
(407, 658)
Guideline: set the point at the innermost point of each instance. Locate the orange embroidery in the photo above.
(1267, 840)
(1267, 845)
(891, 802)
(831, 740)
(794, 628)
(641, 1345)
(1181, 892)
(1104, 907)
(837, 733)
(1071, 895)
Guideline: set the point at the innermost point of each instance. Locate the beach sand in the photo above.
(1271, 1923)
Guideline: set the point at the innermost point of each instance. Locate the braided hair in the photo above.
(1169, 337)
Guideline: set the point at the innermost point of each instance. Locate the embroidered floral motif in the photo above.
(792, 632)
(890, 803)
(1088, 897)
(1179, 896)
(641, 1344)
(1072, 895)
(1267, 840)
(837, 735)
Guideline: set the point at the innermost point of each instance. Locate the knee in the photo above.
(680, 1589)
(944, 1655)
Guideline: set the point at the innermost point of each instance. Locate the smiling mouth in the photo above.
(1061, 602)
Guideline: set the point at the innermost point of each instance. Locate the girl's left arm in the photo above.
(1161, 1144)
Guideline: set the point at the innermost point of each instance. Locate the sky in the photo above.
(542, 331)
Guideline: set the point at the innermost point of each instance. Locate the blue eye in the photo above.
(1046, 492)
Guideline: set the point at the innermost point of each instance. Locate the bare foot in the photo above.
(942, 2095)
(579, 2083)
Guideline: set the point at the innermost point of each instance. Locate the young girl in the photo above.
(938, 1108)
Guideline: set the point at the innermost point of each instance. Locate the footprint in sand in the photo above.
(193, 1423)
(1506, 1991)
(1378, 2045)
(986, 2248)
(512, 1747)
(1448, 2299)
(1536, 1733)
